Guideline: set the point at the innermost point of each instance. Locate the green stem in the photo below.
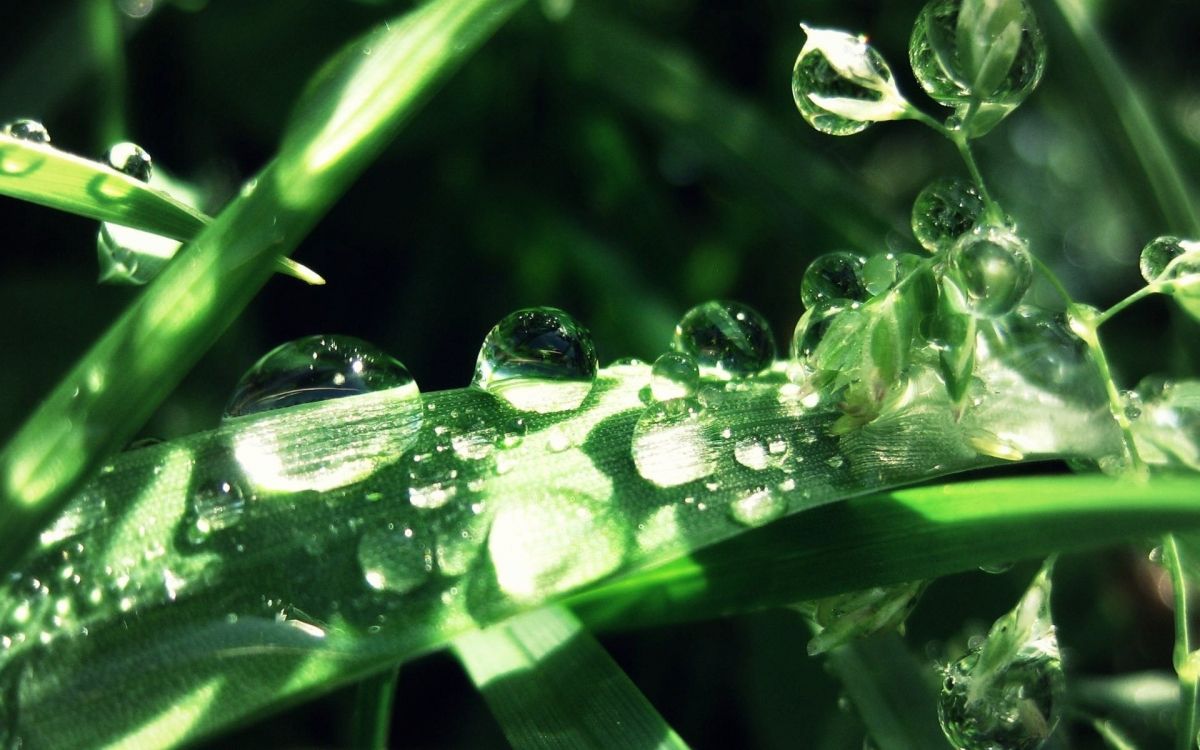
(104, 23)
(371, 721)
(1107, 315)
(1049, 275)
(1184, 645)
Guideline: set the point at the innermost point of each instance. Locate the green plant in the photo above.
(165, 593)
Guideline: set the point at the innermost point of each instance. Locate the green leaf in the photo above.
(552, 686)
(114, 388)
(989, 36)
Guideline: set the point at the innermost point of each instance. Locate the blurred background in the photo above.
(624, 161)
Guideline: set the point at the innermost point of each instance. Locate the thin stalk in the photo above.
(1108, 314)
(104, 23)
(1189, 677)
(371, 721)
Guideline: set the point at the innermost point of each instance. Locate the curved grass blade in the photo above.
(552, 687)
(359, 103)
(371, 721)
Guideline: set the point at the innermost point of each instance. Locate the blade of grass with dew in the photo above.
(50, 177)
(551, 686)
(355, 106)
(197, 583)
(371, 721)
(669, 90)
(891, 691)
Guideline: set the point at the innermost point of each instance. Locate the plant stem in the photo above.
(104, 22)
(1189, 677)
(1107, 315)
(371, 721)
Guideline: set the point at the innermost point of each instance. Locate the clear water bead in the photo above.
(316, 368)
(1158, 254)
(671, 445)
(994, 269)
(726, 339)
(131, 159)
(394, 559)
(834, 276)
(213, 506)
(841, 84)
(539, 359)
(758, 507)
(27, 130)
(674, 375)
(944, 211)
(990, 55)
(813, 325)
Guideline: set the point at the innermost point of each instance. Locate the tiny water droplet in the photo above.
(27, 130)
(538, 359)
(670, 443)
(945, 210)
(994, 269)
(835, 462)
(394, 559)
(214, 506)
(674, 375)
(317, 368)
(433, 478)
(996, 568)
(833, 276)
(1158, 254)
(760, 506)
(726, 339)
(1156, 555)
(131, 159)
(1132, 401)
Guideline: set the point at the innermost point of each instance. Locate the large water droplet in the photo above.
(394, 559)
(674, 375)
(994, 269)
(131, 256)
(944, 211)
(1006, 692)
(841, 84)
(538, 359)
(131, 159)
(316, 368)
(1158, 254)
(27, 130)
(726, 339)
(759, 506)
(213, 506)
(833, 276)
(984, 63)
(671, 445)
(588, 542)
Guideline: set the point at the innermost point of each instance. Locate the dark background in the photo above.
(624, 163)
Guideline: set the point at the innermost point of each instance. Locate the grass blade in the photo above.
(371, 721)
(552, 687)
(357, 105)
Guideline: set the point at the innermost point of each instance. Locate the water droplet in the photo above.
(879, 273)
(994, 269)
(394, 559)
(1007, 691)
(945, 210)
(726, 339)
(674, 375)
(316, 368)
(835, 462)
(538, 359)
(812, 327)
(1158, 254)
(27, 130)
(671, 445)
(131, 159)
(841, 84)
(131, 256)
(214, 505)
(433, 478)
(589, 541)
(996, 568)
(975, 67)
(833, 276)
(760, 506)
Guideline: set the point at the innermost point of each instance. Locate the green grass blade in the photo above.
(891, 691)
(371, 722)
(906, 535)
(357, 104)
(1154, 155)
(48, 176)
(553, 687)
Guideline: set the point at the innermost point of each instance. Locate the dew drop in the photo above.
(811, 329)
(130, 159)
(27, 130)
(833, 276)
(996, 568)
(841, 84)
(214, 506)
(751, 453)
(317, 368)
(726, 339)
(537, 359)
(1006, 692)
(671, 445)
(760, 506)
(945, 210)
(1158, 254)
(394, 559)
(433, 478)
(674, 375)
(994, 269)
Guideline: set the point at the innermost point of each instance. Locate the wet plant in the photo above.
(340, 521)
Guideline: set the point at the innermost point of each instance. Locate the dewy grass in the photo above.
(185, 587)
